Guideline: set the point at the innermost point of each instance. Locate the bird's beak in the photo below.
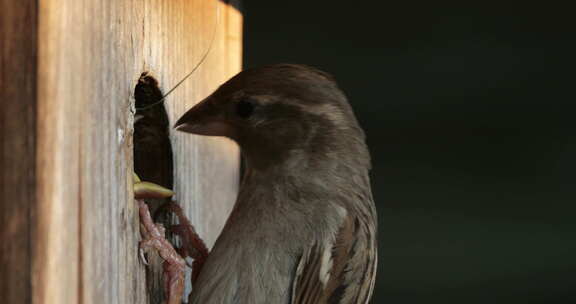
(203, 119)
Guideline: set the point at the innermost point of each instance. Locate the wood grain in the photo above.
(18, 30)
(67, 138)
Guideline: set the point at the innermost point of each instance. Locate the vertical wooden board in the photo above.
(91, 54)
(82, 162)
(18, 31)
(89, 62)
(110, 270)
(56, 260)
(206, 169)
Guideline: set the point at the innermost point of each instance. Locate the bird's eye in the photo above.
(244, 108)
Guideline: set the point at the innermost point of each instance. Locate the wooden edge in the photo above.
(18, 32)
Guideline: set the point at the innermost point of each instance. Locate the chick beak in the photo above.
(203, 119)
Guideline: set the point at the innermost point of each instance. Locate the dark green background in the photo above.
(467, 107)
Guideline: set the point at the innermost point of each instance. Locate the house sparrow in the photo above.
(303, 229)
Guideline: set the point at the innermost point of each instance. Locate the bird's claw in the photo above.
(192, 244)
(153, 237)
(142, 256)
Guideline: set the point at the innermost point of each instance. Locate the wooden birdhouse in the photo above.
(71, 83)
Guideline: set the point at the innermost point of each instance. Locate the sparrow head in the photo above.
(279, 113)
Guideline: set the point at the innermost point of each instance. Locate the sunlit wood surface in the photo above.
(78, 224)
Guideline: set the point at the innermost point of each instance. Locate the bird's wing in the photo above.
(340, 271)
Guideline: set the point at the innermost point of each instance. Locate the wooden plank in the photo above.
(18, 31)
(91, 54)
(205, 169)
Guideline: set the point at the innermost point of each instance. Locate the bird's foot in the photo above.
(192, 245)
(153, 238)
